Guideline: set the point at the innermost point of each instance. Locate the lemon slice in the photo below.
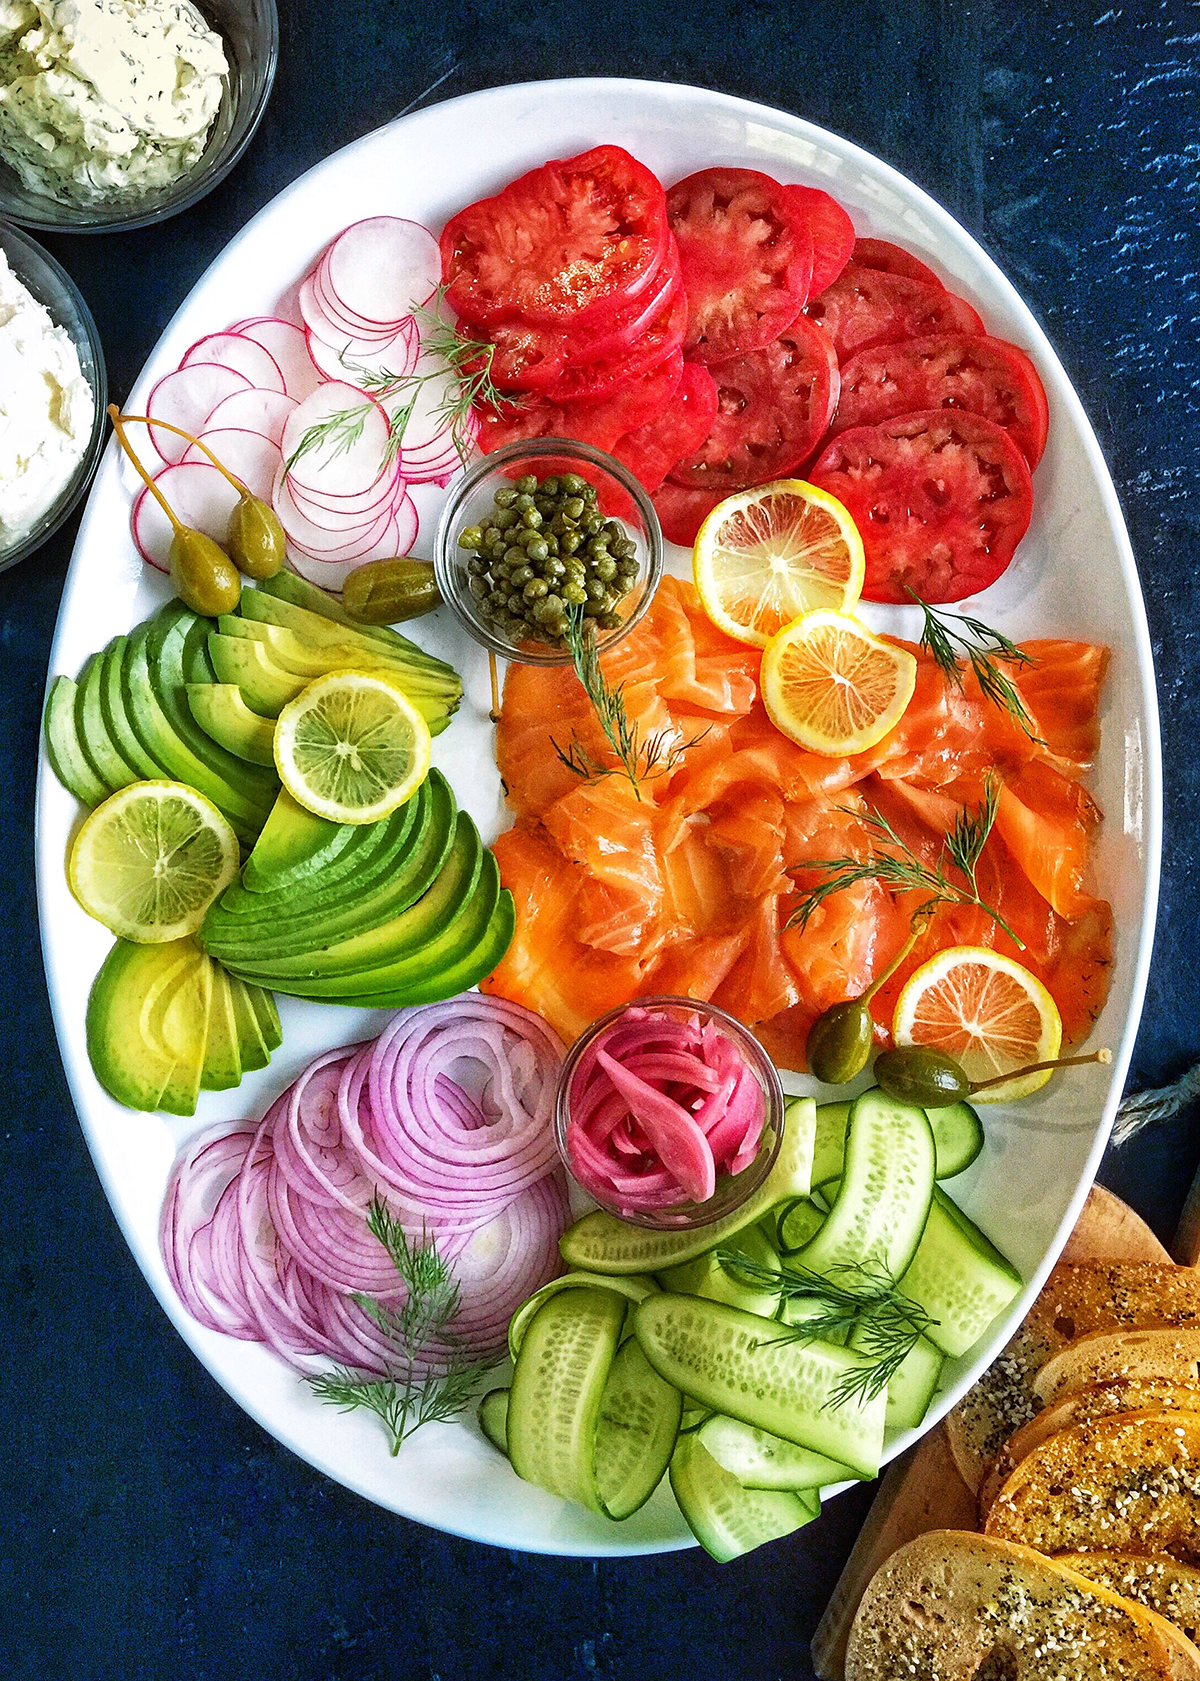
(832, 686)
(351, 747)
(150, 861)
(765, 556)
(987, 1012)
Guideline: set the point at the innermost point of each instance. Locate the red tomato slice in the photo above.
(951, 371)
(868, 306)
(881, 254)
(831, 232)
(676, 432)
(941, 500)
(682, 512)
(747, 259)
(599, 424)
(775, 406)
(595, 382)
(568, 245)
(529, 358)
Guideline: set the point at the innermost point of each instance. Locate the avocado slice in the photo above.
(290, 586)
(147, 1023)
(439, 984)
(339, 652)
(294, 843)
(322, 913)
(320, 631)
(222, 1068)
(110, 765)
(266, 1014)
(221, 712)
(253, 1049)
(455, 926)
(341, 967)
(171, 631)
(63, 749)
(181, 1026)
(266, 686)
(116, 713)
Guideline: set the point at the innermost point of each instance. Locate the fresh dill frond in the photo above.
(893, 862)
(407, 1396)
(340, 432)
(640, 761)
(951, 636)
(861, 1302)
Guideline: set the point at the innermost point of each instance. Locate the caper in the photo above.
(574, 593)
(549, 488)
(535, 589)
(572, 484)
(573, 509)
(918, 1074)
(205, 578)
(538, 550)
(504, 498)
(478, 588)
(569, 542)
(526, 485)
(470, 537)
(254, 540)
(609, 621)
(839, 1042)
(606, 569)
(531, 519)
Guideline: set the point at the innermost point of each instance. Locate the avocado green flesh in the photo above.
(293, 845)
(290, 587)
(316, 629)
(302, 658)
(116, 712)
(110, 765)
(253, 1048)
(436, 985)
(221, 712)
(147, 1024)
(169, 631)
(222, 1068)
(63, 749)
(269, 686)
(267, 1016)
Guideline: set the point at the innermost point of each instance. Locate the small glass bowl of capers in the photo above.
(540, 532)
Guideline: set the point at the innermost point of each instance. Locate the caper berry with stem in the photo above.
(839, 1042)
(932, 1079)
(255, 538)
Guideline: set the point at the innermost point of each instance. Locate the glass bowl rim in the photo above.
(763, 1064)
(193, 186)
(478, 473)
(72, 492)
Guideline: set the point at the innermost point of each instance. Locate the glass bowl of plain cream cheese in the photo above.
(52, 396)
(119, 113)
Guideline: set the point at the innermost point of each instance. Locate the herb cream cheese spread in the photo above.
(46, 408)
(104, 100)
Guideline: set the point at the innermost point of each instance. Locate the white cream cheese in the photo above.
(103, 100)
(46, 408)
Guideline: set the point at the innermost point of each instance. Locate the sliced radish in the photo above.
(202, 498)
(248, 456)
(341, 520)
(326, 321)
(319, 537)
(288, 349)
(379, 268)
(332, 574)
(350, 456)
(356, 360)
(186, 398)
(242, 354)
(427, 446)
(265, 412)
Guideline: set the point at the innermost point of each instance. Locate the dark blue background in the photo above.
(147, 1528)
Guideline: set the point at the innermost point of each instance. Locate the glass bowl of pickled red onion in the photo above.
(669, 1113)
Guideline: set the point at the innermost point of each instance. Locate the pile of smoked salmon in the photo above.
(687, 888)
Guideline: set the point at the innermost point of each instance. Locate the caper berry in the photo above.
(384, 592)
(254, 540)
(918, 1074)
(205, 578)
(839, 1042)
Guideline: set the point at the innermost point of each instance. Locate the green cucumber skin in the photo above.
(557, 1391)
(748, 1368)
(601, 1243)
(886, 1189)
(913, 1387)
(493, 1418)
(759, 1460)
(632, 1289)
(636, 1432)
(727, 1519)
(959, 1278)
(957, 1139)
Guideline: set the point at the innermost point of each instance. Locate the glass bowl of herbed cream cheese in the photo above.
(119, 113)
(52, 396)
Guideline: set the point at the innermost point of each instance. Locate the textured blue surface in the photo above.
(147, 1528)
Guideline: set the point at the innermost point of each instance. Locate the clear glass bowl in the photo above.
(732, 1189)
(250, 30)
(471, 499)
(52, 286)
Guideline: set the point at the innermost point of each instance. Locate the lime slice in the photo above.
(351, 747)
(150, 861)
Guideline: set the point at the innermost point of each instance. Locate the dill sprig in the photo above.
(339, 432)
(945, 634)
(893, 862)
(405, 1397)
(857, 1301)
(640, 761)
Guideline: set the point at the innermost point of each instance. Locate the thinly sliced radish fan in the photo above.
(447, 1117)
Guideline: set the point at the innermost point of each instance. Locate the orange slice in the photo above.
(832, 686)
(765, 556)
(987, 1012)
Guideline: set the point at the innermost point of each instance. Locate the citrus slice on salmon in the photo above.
(765, 556)
(986, 1011)
(832, 687)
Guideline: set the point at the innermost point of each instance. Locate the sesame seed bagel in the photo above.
(1166, 1586)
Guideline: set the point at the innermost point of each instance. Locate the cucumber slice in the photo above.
(957, 1137)
(639, 1421)
(493, 1418)
(558, 1389)
(830, 1146)
(693, 1414)
(707, 1276)
(913, 1387)
(759, 1460)
(960, 1278)
(601, 1243)
(727, 1519)
(883, 1202)
(749, 1368)
(632, 1289)
(800, 1223)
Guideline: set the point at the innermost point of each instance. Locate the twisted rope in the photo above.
(1143, 1108)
